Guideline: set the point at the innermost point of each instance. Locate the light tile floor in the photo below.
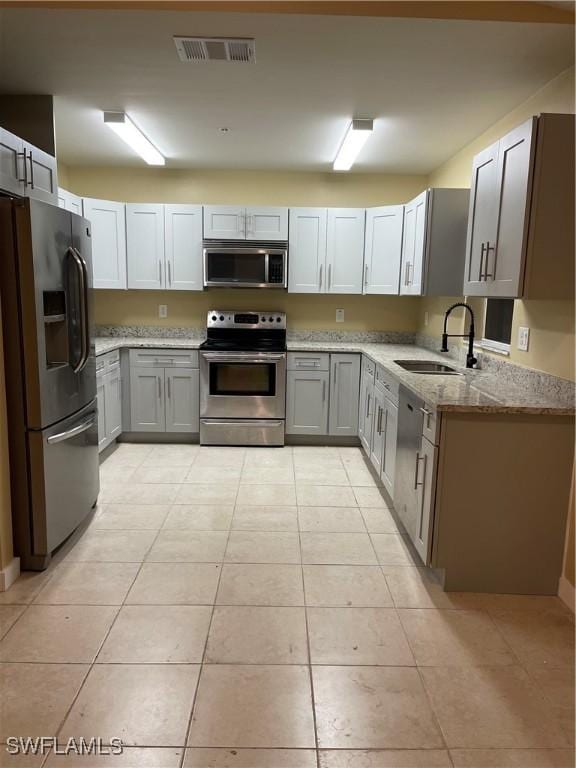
(260, 608)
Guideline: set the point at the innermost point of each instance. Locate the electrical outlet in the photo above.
(523, 338)
(339, 315)
(162, 310)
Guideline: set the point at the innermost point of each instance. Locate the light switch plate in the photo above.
(339, 315)
(162, 310)
(523, 338)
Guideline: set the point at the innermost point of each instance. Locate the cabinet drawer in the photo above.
(387, 383)
(431, 425)
(368, 368)
(108, 361)
(308, 361)
(163, 358)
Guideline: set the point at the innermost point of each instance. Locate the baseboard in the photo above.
(566, 592)
(9, 574)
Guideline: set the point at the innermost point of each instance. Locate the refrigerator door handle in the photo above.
(69, 433)
(85, 329)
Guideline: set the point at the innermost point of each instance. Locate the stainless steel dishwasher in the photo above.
(407, 499)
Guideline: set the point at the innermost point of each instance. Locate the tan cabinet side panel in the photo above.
(501, 501)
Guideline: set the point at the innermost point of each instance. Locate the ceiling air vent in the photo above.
(216, 49)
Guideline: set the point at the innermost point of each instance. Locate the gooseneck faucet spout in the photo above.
(470, 359)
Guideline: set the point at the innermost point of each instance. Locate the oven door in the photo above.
(249, 385)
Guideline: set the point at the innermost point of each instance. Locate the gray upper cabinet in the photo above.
(344, 394)
(108, 219)
(11, 163)
(307, 402)
(182, 387)
(70, 202)
(26, 170)
(345, 250)
(307, 244)
(234, 222)
(183, 247)
(383, 249)
(522, 211)
(145, 245)
(434, 243)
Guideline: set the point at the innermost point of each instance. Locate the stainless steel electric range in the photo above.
(243, 379)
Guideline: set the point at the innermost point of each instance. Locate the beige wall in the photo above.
(252, 188)
(551, 323)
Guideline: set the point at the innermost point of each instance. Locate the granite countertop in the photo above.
(472, 391)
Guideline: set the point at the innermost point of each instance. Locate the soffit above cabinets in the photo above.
(431, 85)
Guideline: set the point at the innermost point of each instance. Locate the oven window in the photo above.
(243, 379)
(236, 267)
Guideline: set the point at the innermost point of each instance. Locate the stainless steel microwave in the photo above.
(239, 265)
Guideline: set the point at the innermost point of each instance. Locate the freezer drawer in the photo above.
(242, 432)
(64, 479)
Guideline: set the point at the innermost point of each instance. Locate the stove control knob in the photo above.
(213, 317)
(278, 319)
(263, 319)
(221, 317)
(271, 319)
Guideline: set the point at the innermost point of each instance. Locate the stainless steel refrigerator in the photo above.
(46, 280)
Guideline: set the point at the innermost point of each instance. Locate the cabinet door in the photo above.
(344, 394)
(307, 244)
(266, 223)
(183, 243)
(41, 175)
(108, 219)
(113, 399)
(224, 222)
(101, 405)
(383, 249)
(378, 425)
(69, 201)
(504, 270)
(366, 412)
(426, 490)
(390, 440)
(413, 246)
(182, 399)
(307, 402)
(145, 245)
(482, 219)
(11, 163)
(345, 250)
(147, 413)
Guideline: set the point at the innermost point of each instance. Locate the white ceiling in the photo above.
(431, 85)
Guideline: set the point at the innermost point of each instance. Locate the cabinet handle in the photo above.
(368, 405)
(25, 179)
(324, 391)
(366, 275)
(169, 273)
(320, 277)
(31, 170)
(406, 273)
(416, 483)
(160, 272)
(159, 388)
(169, 388)
(335, 374)
(480, 275)
(329, 276)
(488, 249)
(379, 427)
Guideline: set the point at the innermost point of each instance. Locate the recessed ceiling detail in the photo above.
(241, 50)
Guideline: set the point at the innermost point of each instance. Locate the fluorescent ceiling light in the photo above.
(128, 132)
(356, 136)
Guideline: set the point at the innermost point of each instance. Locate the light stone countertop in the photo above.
(472, 391)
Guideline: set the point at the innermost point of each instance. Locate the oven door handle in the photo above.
(219, 357)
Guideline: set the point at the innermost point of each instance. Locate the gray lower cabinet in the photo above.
(322, 394)
(307, 402)
(389, 449)
(378, 434)
(109, 398)
(366, 405)
(164, 399)
(344, 392)
(425, 481)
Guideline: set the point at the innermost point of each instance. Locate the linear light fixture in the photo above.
(356, 136)
(133, 136)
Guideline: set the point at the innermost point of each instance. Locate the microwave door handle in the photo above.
(267, 267)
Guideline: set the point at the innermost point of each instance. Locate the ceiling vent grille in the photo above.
(216, 49)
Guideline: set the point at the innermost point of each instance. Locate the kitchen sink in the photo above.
(427, 366)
